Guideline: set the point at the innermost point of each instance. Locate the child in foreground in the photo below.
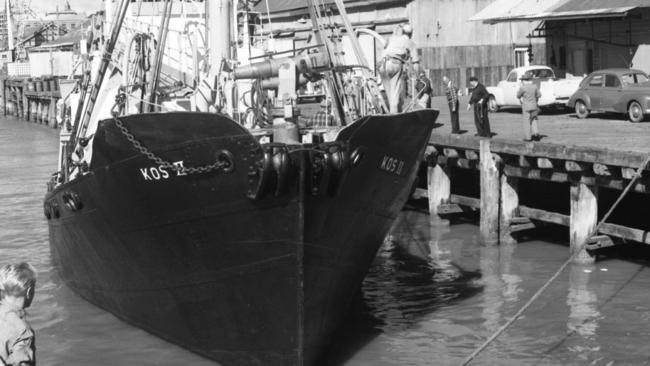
(16, 336)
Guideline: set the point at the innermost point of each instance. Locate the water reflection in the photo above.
(415, 272)
(584, 315)
(500, 284)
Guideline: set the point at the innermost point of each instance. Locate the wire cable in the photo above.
(578, 250)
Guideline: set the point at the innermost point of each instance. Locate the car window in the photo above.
(611, 81)
(596, 80)
(512, 77)
(628, 79)
(543, 73)
(642, 78)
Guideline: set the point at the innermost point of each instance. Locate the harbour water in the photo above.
(432, 295)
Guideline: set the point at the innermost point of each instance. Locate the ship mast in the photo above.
(218, 18)
(218, 21)
(157, 64)
(109, 46)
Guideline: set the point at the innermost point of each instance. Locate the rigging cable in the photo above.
(268, 15)
(578, 250)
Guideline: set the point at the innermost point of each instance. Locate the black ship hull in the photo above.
(251, 264)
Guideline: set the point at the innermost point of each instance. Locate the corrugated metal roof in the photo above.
(277, 6)
(533, 10)
(512, 9)
(594, 5)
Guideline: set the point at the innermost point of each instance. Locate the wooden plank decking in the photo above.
(601, 131)
(584, 155)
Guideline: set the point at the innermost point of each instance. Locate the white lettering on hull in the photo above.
(392, 165)
(160, 172)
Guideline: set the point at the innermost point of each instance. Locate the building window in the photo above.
(521, 57)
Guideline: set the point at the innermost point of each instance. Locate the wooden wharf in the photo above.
(579, 167)
(32, 99)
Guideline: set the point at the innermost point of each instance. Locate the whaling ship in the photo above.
(181, 221)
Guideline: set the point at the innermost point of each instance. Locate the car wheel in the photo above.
(492, 104)
(581, 109)
(635, 112)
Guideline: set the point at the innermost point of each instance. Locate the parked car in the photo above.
(614, 90)
(555, 92)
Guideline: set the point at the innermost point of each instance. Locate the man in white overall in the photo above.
(399, 50)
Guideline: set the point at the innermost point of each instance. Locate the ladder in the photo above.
(328, 35)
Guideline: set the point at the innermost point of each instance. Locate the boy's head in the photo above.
(17, 281)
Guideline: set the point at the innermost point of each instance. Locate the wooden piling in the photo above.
(438, 187)
(583, 218)
(46, 108)
(37, 111)
(23, 100)
(29, 113)
(51, 115)
(509, 205)
(32, 110)
(14, 94)
(3, 95)
(490, 195)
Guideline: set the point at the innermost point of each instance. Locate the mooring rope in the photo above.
(578, 250)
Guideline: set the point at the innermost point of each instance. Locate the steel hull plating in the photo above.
(195, 260)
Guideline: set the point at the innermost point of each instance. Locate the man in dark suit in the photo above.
(479, 99)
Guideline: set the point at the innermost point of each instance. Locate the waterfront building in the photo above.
(53, 25)
(448, 43)
(583, 36)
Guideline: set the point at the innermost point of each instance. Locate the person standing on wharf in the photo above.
(479, 99)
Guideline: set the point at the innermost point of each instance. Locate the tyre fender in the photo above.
(72, 201)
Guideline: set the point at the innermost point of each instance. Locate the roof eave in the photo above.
(604, 13)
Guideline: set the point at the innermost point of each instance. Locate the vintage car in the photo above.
(614, 90)
(555, 92)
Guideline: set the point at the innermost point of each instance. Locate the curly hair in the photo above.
(15, 280)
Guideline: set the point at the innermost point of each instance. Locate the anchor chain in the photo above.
(224, 161)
